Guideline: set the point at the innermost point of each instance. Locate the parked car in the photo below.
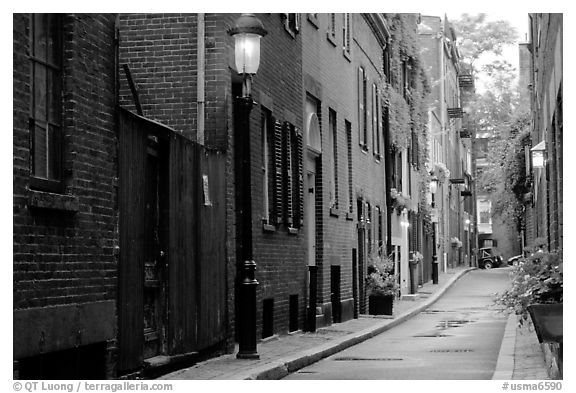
(513, 261)
(488, 258)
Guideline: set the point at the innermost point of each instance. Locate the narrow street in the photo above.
(457, 338)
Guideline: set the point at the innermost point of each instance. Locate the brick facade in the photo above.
(162, 51)
(547, 83)
(64, 260)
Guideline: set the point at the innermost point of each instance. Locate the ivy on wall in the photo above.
(406, 95)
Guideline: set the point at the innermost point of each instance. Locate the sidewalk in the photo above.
(282, 355)
(520, 357)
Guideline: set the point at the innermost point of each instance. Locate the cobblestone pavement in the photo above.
(520, 356)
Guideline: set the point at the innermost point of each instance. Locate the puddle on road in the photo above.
(453, 323)
(354, 358)
(433, 334)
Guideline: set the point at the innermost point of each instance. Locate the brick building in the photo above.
(129, 204)
(450, 143)
(545, 85)
(183, 66)
(65, 196)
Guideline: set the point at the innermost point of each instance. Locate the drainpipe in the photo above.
(200, 79)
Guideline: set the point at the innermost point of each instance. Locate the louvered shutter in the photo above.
(278, 205)
(361, 103)
(380, 136)
(300, 179)
(287, 153)
(374, 120)
(271, 171)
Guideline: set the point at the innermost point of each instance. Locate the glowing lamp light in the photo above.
(538, 152)
(247, 31)
(433, 185)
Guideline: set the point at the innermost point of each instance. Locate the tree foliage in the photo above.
(477, 36)
(501, 120)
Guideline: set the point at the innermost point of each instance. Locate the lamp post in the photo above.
(247, 31)
(468, 253)
(433, 189)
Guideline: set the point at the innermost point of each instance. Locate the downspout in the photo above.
(200, 79)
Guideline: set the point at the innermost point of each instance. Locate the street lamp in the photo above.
(538, 153)
(433, 189)
(247, 31)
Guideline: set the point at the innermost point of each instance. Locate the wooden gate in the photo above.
(188, 309)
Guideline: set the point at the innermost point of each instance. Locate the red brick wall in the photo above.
(68, 257)
(163, 63)
(279, 255)
(64, 258)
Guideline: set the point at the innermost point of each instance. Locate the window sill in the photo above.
(48, 200)
(350, 216)
(334, 212)
(268, 228)
(313, 20)
(331, 39)
(292, 231)
(346, 54)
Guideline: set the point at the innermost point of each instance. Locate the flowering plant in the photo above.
(399, 200)
(441, 171)
(417, 257)
(381, 279)
(456, 242)
(537, 279)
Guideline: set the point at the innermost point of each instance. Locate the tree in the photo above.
(499, 117)
(478, 36)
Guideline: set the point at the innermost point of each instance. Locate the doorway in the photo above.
(155, 272)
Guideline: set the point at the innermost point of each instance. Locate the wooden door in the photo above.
(155, 274)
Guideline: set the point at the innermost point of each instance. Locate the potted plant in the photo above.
(537, 290)
(399, 200)
(381, 285)
(456, 243)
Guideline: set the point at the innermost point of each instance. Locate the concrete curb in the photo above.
(505, 364)
(283, 367)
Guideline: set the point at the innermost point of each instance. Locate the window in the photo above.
(362, 109)
(397, 170)
(386, 63)
(405, 78)
(46, 101)
(346, 34)
(292, 23)
(333, 146)
(331, 33)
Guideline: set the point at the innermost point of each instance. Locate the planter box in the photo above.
(547, 320)
(380, 305)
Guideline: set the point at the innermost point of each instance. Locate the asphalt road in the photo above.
(457, 338)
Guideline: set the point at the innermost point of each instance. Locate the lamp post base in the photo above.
(248, 355)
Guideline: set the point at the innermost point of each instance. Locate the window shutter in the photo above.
(380, 130)
(300, 180)
(278, 205)
(271, 171)
(374, 120)
(287, 173)
(361, 104)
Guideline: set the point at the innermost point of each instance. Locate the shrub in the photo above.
(381, 279)
(538, 279)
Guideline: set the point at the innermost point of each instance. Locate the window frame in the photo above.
(346, 34)
(52, 65)
(333, 146)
